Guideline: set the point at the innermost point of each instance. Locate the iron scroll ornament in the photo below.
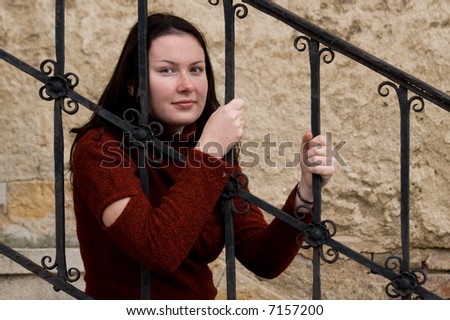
(406, 283)
(73, 274)
(416, 103)
(302, 42)
(236, 183)
(240, 9)
(57, 87)
(316, 236)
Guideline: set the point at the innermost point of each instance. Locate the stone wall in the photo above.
(363, 198)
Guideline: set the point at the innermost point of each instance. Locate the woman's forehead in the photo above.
(180, 45)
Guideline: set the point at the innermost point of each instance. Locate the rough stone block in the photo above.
(438, 260)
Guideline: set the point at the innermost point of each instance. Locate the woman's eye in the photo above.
(167, 70)
(197, 69)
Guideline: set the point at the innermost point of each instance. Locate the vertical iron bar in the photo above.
(315, 128)
(58, 147)
(143, 120)
(229, 50)
(143, 60)
(59, 37)
(229, 95)
(404, 176)
(229, 250)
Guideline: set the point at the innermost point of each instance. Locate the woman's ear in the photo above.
(130, 88)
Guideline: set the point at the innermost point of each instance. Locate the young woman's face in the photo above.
(177, 80)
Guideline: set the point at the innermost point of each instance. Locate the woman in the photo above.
(178, 229)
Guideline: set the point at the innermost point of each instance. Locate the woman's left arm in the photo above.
(268, 249)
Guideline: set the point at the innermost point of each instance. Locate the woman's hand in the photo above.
(315, 158)
(223, 129)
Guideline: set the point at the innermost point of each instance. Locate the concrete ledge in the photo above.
(31, 287)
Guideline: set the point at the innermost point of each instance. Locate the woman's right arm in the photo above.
(156, 236)
(222, 131)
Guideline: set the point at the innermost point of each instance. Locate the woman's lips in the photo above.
(184, 104)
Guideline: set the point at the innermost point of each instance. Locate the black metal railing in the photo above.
(321, 45)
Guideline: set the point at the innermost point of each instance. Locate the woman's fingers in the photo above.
(224, 128)
(236, 104)
(317, 157)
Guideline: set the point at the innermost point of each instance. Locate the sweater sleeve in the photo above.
(266, 249)
(104, 175)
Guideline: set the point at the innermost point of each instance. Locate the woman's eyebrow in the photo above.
(176, 63)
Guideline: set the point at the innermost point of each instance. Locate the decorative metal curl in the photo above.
(384, 85)
(157, 128)
(71, 107)
(421, 276)
(327, 55)
(332, 225)
(73, 275)
(233, 187)
(393, 263)
(214, 2)
(331, 252)
(131, 115)
(303, 41)
(240, 10)
(45, 68)
(45, 262)
(417, 103)
(72, 79)
(242, 209)
(302, 215)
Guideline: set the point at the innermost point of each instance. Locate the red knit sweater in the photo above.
(176, 231)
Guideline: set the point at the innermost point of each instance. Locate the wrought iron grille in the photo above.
(59, 86)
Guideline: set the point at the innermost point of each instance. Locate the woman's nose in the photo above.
(185, 83)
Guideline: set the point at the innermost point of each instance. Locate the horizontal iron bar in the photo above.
(340, 45)
(44, 274)
(19, 64)
(280, 214)
(105, 114)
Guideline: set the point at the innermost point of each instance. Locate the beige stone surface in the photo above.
(364, 196)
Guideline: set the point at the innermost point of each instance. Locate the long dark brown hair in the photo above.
(116, 97)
